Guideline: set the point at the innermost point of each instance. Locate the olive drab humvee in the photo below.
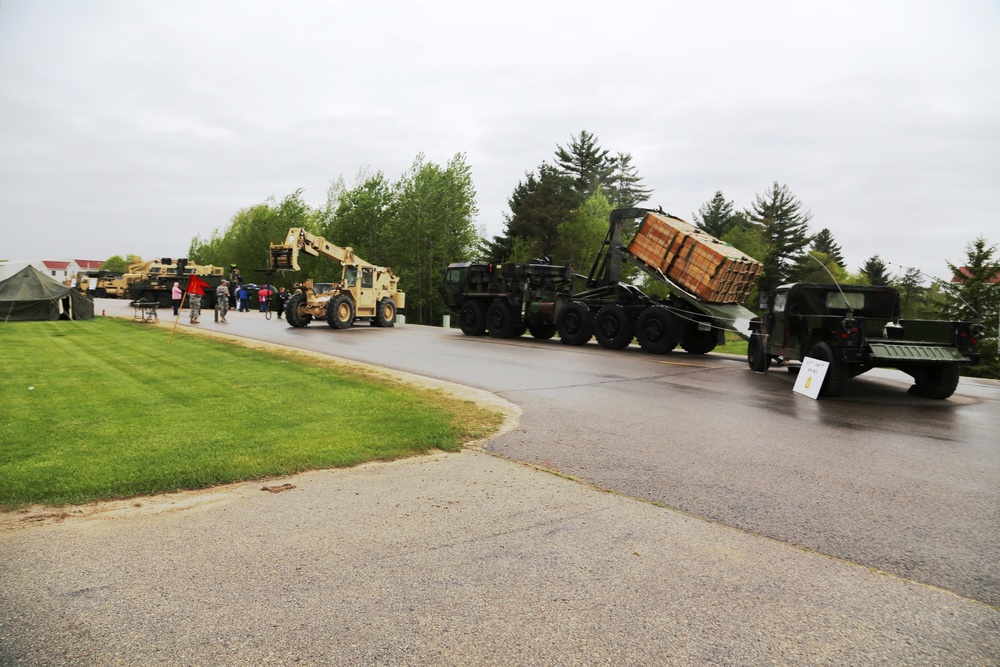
(856, 328)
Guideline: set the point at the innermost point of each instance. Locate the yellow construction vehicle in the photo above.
(365, 291)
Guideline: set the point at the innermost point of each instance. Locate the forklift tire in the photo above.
(657, 330)
(386, 313)
(472, 319)
(613, 328)
(575, 324)
(340, 312)
(292, 315)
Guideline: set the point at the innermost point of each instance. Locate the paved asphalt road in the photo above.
(749, 525)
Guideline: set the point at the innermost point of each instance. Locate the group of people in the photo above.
(222, 296)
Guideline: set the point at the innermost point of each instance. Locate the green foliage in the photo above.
(246, 240)
(538, 206)
(912, 294)
(430, 225)
(875, 271)
(119, 264)
(115, 412)
(784, 230)
(813, 266)
(360, 217)
(974, 294)
(583, 233)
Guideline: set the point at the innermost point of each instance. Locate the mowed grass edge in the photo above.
(105, 409)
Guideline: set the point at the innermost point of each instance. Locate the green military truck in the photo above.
(507, 299)
(855, 328)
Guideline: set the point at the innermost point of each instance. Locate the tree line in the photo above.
(425, 219)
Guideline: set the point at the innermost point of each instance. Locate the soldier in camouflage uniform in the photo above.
(222, 299)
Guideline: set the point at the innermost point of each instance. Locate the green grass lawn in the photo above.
(734, 345)
(105, 409)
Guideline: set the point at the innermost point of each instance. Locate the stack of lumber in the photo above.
(712, 270)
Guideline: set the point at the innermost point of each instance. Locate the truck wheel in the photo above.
(575, 323)
(657, 330)
(386, 313)
(613, 328)
(292, 314)
(836, 375)
(472, 319)
(101, 293)
(757, 357)
(938, 382)
(340, 312)
(699, 342)
(542, 331)
(499, 320)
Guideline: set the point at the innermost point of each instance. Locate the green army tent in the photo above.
(29, 294)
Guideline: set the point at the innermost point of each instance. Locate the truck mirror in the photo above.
(763, 302)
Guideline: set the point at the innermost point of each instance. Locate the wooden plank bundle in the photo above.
(710, 269)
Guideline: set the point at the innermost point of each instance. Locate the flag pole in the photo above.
(177, 319)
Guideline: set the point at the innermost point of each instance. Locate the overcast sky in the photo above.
(132, 127)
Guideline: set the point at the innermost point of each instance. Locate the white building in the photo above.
(60, 270)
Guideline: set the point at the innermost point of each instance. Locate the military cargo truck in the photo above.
(506, 300)
(856, 328)
(152, 280)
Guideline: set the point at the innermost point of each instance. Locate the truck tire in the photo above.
(657, 330)
(696, 341)
(937, 382)
(757, 357)
(472, 318)
(542, 331)
(292, 314)
(836, 375)
(386, 313)
(340, 312)
(500, 320)
(613, 328)
(575, 323)
(101, 293)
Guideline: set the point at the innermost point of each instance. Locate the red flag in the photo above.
(196, 285)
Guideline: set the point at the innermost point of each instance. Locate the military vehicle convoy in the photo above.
(365, 291)
(152, 280)
(506, 300)
(856, 328)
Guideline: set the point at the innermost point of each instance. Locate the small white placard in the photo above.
(811, 377)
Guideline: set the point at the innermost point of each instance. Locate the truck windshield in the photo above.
(350, 275)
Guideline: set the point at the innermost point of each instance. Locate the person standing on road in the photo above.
(222, 299)
(263, 296)
(244, 301)
(282, 298)
(196, 288)
(175, 296)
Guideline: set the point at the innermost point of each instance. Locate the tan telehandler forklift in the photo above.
(365, 292)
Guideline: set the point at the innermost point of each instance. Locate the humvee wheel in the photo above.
(575, 323)
(836, 375)
(757, 358)
(500, 320)
(613, 328)
(340, 312)
(386, 313)
(657, 330)
(699, 342)
(472, 319)
(938, 382)
(542, 331)
(292, 314)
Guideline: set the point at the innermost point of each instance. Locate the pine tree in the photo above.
(876, 271)
(823, 242)
(538, 206)
(975, 295)
(784, 230)
(624, 188)
(585, 163)
(715, 217)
